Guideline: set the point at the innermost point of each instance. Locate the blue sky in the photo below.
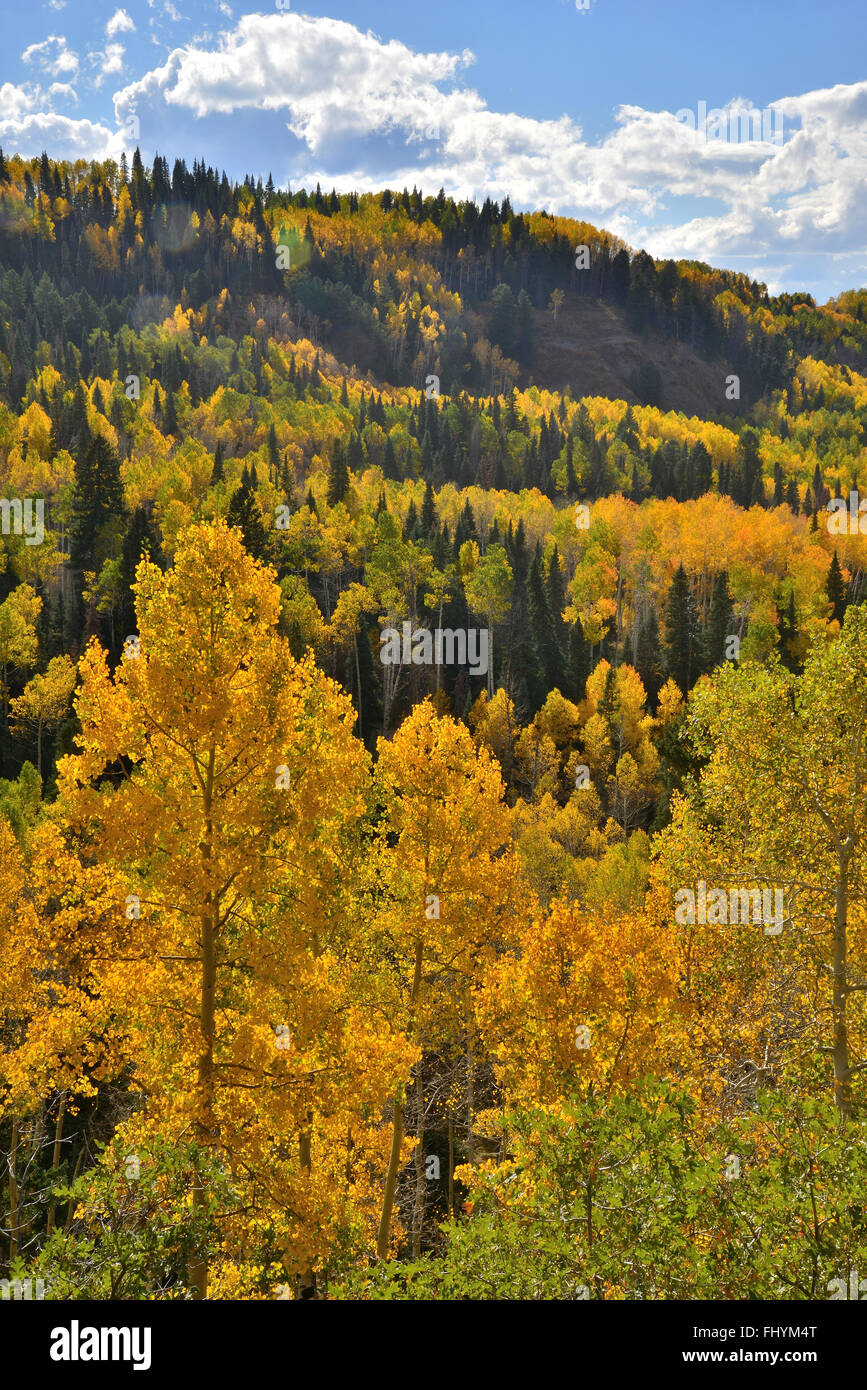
(572, 109)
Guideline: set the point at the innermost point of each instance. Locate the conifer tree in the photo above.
(542, 629)
(680, 632)
(338, 475)
(245, 513)
(647, 657)
(428, 523)
(720, 620)
(835, 588)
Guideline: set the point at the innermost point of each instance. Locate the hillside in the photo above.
(402, 640)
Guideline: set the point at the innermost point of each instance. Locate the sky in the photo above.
(733, 133)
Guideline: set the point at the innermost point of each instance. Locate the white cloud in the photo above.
(119, 23)
(53, 55)
(63, 91)
(28, 131)
(56, 4)
(108, 61)
(363, 109)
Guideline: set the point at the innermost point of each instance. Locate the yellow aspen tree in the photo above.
(448, 882)
(220, 776)
(583, 1002)
(45, 701)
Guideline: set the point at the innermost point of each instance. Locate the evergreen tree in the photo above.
(577, 663)
(504, 320)
(140, 539)
(557, 597)
(170, 415)
(609, 710)
(428, 524)
(273, 455)
(338, 475)
(680, 631)
(525, 332)
(542, 629)
(245, 513)
(647, 658)
(789, 633)
(835, 588)
(97, 503)
(720, 623)
(389, 465)
(571, 480)
(747, 485)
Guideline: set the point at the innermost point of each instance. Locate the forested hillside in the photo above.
(433, 753)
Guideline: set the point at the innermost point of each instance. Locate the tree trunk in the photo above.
(307, 1277)
(470, 1102)
(451, 1165)
(358, 681)
(397, 1131)
(13, 1193)
(206, 1121)
(420, 1177)
(840, 1047)
(55, 1158)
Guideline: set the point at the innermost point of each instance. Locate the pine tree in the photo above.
(245, 513)
(542, 629)
(835, 588)
(273, 455)
(338, 475)
(793, 501)
(140, 540)
(720, 620)
(97, 502)
(609, 710)
(525, 335)
(789, 633)
(170, 415)
(680, 631)
(647, 658)
(577, 663)
(428, 524)
(571, 480)
(557, 596)
(504, 320)
(389, 463)
(747, 486)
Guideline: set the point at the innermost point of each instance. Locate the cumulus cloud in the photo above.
(317, 99)
(119, 23)
(107, 62)
(63, 91)
(28, 130)
(53, 56)
(369, 111)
